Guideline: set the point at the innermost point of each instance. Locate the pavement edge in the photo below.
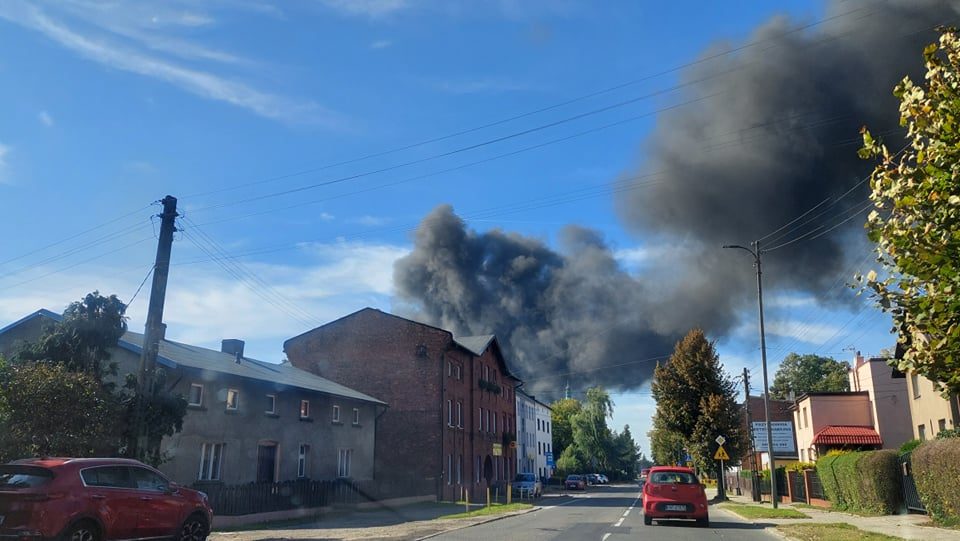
(485, 521)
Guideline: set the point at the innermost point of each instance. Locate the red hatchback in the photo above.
(96, 499)
(674, 493)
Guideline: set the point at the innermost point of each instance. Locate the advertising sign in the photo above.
(782, 436)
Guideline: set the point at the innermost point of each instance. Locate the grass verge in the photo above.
(832, 532)
(755, 511)
(495, 509)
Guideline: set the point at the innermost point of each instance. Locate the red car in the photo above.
(96, 499)
(673, 492)
(575, 482)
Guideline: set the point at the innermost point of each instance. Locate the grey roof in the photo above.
(475, 344)
(175, 354)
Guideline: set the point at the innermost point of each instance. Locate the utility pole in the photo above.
(154, 327)
(756, 252)
(754, 486)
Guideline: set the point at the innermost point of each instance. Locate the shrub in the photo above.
(867, 482)
(949, 433)
(936, 469)
(800, 466)
(909, 446)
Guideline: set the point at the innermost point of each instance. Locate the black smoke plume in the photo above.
(775, 134)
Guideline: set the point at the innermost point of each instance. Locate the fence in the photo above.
(816, 487)
(798, 489)
(908, 485)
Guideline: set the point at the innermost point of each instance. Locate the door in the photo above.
(161, 508)
(266, 462)
(108, 492)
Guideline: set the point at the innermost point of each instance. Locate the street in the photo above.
(608, 513)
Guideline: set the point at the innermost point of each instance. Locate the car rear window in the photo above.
(525, 477)
(573, 478)
(23, 476)
(680, 477)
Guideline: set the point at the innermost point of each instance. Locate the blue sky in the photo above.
(107, 107)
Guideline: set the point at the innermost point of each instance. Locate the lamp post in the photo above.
(756, 252)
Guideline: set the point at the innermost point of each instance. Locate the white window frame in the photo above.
(336, 414)
(459, 469)
(273, 409)
(344, 460)
(236, 401)
(304, 410)
(459, 414)
(480, 422)
(303, 465)
(356, 416)
(450, 469)
(479, 467)
(449, 413)
(207, 471)
(200, 402)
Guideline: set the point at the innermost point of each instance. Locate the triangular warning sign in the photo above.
(721, 454)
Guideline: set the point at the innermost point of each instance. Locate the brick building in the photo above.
(451, 415)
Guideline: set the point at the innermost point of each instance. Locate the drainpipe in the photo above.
(955, 410)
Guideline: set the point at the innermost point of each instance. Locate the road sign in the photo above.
(721, 454)
(721, 440)
(550, 462)
(497, 449)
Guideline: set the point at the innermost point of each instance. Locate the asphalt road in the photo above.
(606, 513)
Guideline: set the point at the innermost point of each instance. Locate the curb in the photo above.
(486, 521)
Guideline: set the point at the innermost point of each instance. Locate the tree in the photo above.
(561, 412)
(666, 446)
(697, 400)
(53, 411)
(591, 435)
(916, 219)
(626, 455)
(809, 374)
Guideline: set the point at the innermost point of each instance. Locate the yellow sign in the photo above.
(497, 449)
(721, 454)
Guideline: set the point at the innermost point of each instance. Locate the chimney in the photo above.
(232, 346)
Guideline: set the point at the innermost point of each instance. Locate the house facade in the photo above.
(247, 420)
(544, 438)
(838, 420)
(886, 388)
(527, 453)
(930, 412)
(452, 414)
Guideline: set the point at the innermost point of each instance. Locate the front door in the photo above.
(266, 462)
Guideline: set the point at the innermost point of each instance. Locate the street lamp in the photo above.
(756, 252)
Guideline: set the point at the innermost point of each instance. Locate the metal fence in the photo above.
(908, 485)
(798, 489)
(816, 487)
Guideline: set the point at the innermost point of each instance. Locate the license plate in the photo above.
(674, 507)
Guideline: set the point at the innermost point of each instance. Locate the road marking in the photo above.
(626, 513)
(619, 522)
(605, 536)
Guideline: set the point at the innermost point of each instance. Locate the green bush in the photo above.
(936, 469)
(865, 482)
(800, 466)
(909, 446)
(948, 433)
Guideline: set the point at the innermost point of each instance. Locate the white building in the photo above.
(534, 435)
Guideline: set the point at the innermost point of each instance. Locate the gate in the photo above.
(798, 489)
(909, 486)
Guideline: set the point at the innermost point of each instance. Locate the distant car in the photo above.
(674, 493)
(527, 484)
(642, 481)
(575, 482)
(644, 472)
(604, 480)
(91, 499)
(592, 479)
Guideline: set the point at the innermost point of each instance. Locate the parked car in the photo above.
(592, 479)
(527, 484)
(674, 493)
(93, 499)
(575, 482)
(604, 480)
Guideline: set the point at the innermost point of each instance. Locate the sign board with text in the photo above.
(549, 455)
(782, 431)
(497, 449)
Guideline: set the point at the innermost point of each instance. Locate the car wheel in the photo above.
(647, 519)
(82, 531)
(194, 529)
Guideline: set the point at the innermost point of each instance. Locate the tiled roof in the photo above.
(847, 435)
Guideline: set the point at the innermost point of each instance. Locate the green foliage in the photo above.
(626, 455)
(936, 469)
(584, 443)
(53, 411)
(909, 446)
(665, 445)
(863, 482)
(591, 435)
(697, 400)
(948, 433)
(809, 374)
(570, 461)
(916, 219)
(561, 412)
(800, 466)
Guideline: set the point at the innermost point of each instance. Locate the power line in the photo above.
(137, 292)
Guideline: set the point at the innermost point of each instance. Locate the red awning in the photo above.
(847, 435)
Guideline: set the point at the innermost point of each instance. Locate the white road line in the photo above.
(605, 536)
(626, 513)
(619, 522)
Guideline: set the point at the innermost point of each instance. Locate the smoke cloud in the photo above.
(775, 134)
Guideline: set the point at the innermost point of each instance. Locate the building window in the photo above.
(486, 372)
(922, 431)
(196, 395)
(915, 382)
(539, 448)
(449, 413)
(459, 469)
(336, 414)
(487, 426)
(494, 422)
(344, 458)
(304, 409)
(233, 399)
(449, 469)
(449, 369)
(458, 370)
(356, 416)
(302, 466)
(480, 422)
(941, 425)
(479, 466)
(211, 457)
(806, 422)
(271, 404)
(459, 414)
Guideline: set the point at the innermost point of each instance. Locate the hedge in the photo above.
(936, 470)
(865, 482)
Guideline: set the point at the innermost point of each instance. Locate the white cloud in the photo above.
(810, 333)
(786, 301)
(45, 118)
(366, 8)
(327, 217)
(381, 44)
(371, 221)
(119, 55)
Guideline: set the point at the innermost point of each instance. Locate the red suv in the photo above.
(96, 499)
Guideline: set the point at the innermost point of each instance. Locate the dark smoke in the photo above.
(776, 134)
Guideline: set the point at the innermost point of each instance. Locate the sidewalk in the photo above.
(905, 526)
